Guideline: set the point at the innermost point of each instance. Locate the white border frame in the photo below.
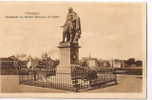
(149, 41)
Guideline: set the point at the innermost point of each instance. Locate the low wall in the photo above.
(129, 71)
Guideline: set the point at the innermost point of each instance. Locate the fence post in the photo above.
(115, 76)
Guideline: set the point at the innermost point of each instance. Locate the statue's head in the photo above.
(70, 9)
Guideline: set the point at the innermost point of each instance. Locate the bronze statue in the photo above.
(72, 27)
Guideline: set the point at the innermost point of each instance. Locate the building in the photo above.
(8, 65)
(90, 62)
(116, 63)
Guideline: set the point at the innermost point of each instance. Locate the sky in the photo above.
(109, 30)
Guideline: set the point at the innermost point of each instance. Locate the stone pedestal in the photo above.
(69, 55)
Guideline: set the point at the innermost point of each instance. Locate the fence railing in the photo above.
(79, 79)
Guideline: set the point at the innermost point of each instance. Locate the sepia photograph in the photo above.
(73, 49)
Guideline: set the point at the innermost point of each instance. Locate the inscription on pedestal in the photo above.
(68, 57)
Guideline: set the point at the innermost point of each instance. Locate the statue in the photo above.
(72, 27)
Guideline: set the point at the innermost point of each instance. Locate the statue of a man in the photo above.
(72, 27)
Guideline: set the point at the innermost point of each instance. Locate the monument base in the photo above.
(68, 58)
(61, 79)
(64, 69)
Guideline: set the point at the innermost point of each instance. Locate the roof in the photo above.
(7, 59)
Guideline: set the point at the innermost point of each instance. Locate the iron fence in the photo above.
(78, 80)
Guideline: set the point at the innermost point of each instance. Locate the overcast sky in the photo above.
(109, 30)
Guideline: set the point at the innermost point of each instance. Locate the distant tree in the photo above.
(130, 61)
(47, 62)
(84, 63)
(13, 57)
(45, 55)
(20, 55)
(139, 63)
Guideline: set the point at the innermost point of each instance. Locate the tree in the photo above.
(139, 63)
(44, 55)
(130, 61)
